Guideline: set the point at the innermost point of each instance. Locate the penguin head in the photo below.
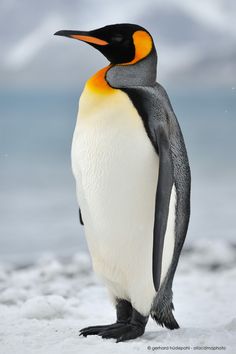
(119, 43)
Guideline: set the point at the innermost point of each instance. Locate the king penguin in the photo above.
(132, 180)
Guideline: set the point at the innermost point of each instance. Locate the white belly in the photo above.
(116, 172)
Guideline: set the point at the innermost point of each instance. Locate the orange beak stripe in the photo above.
(89, 39)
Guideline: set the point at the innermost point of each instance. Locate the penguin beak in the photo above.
(82, 36)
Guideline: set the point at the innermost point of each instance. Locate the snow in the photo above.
(43, 305)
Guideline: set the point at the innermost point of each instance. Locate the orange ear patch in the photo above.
(143, 46)
(89, 39)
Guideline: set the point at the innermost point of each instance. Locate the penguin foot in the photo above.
(135, 328)
(130, 324)
(96, 330)
(126, 332)
(123, 312)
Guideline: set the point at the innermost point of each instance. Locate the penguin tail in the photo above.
(161, 311)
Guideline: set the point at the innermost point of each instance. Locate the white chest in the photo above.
(113, 160)
(116, 171)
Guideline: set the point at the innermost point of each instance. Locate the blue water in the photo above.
(38, 210)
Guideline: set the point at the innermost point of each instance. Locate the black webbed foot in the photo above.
(122, 333)
(124, 313)
(130, 324)
(135, 328)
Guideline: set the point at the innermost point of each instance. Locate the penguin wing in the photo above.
(161, 125)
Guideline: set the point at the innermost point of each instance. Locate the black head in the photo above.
(119, 43)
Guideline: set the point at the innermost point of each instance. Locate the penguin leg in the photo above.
(123, 313)
(131, 330)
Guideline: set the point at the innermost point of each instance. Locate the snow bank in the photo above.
(43, 306)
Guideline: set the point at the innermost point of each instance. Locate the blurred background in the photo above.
(41, 80)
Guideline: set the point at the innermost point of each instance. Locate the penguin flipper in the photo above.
(161, 125)
(162, 306)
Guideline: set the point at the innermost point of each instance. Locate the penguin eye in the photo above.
(118, 38)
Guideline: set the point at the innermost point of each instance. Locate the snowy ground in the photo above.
(43, 306)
